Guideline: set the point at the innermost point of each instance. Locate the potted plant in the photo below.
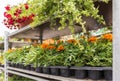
(17, 16)
(99, 55)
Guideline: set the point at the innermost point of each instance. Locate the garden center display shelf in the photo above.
(35, 75)
(42, 32)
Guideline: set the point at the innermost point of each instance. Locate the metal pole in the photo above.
(116, 41)
(6, 44)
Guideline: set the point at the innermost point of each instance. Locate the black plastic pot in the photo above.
(108, 73)
(55, 70)
(95, 74)
(38, 69)
(65, 71)
(46, 70)
(28, 67)
(17, 65)
(13, 65)
(80, 72)
(10, 64)
(32, 68)
(1, 65)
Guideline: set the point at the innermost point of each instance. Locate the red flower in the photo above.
(31, 16)
(26, 6)
(5, 14)
(8, 16)
(15, 14)
(18, 11)
(7, 7)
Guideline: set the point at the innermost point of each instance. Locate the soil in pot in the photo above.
(55, 70)
(108, 74)
(38, 69)
(46, 70)
(95, 74)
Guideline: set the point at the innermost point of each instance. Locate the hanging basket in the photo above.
(27, 22)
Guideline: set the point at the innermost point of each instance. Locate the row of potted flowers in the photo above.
(81, 52)
(95, 73)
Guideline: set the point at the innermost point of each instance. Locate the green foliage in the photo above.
(70, 11)
(19, 78)
(92, 51)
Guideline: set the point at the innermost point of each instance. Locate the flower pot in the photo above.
(55, 70)
(28, 67)
(38, 69)
(46, 70)
(65, 71)
(80, 72)
(108, 73)
(95, 74)
(1, 65)
(32, 68)
(25, 23)
(13, 65)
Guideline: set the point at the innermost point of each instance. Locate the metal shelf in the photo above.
(59, 78)
(2, 68)
(27, 76)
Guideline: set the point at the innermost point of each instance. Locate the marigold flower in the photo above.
(108, 36)
(71, 41)
(51, 47)
(92, 39)
(44, 46)
(60, 48)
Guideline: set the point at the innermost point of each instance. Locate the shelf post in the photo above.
(116, 41)
(41, 35)
(6, 44)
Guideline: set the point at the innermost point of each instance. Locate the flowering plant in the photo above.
(15, 16)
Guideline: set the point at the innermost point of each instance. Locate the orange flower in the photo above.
(59, 41)
(60, 48)
(92, 39)
(44, 46)
(71, 41)
(51, 47)
(108, 36)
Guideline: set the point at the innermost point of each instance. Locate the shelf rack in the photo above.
(42, 32)
(57, 78)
